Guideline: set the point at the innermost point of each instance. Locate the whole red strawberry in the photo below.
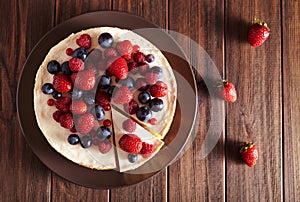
(78, 107)
(84, 41)
(62, 83)
(130, 143)
(258, 33)
(147, 148)
(125, 49)
(104, 146)
(118, 68)
(85, 80)
(228, 92)
(85, 123)
(159, 89)
(249, 154)
(123, 95)
(76, 64)
(129, 125)
(66, 121)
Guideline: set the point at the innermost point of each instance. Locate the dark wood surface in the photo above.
(266, 79)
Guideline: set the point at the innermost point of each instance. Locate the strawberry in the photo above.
(249, 154)
(118, 68)
(129, 125)
(66, 121)
(61, 83)
(130, 143)
(125, 49)
(85, 80)
(147, 148)
(131, 107)
(84, 41)
(57, 114)
(123, 95)
(102, 98)
(159, 89)
(151, 77)
(76, 64)
(258, 33)
(110, 53)
(104, 146)
(78, 107)
(85, 123)
(228, 92)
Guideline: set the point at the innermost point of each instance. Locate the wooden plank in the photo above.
(291, 92)
(63, 190)
(256, 115)
(192, 178)
(23, 176)
(153, 189)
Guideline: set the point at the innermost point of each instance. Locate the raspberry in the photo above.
(122, 95)
(104, 146)
(141, 84)
(129, 125)
(130, 143)
(84, 41)
(152, 121)
(78, 107)
(85, 123)
(66, 121)
(125, 49)
(160, 89)
(110, 53)
(62, 104)
(147, 148)
(118, 67)
(51, 102)
(69, 51)
(102, 98)
(85, 80)
(151, 77)
(73, 77)
(107, 122)
(143, 68)
(56, 115)
(90, 66)
(133, 67)
(139, 57)
(61, 83)
(76, 64)
(131, 107)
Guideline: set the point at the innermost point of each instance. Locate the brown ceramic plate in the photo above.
(179, 131)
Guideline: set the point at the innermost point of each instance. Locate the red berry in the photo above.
(101, 65)
(107, 122)
(56, 115)
(131, 107)
(130, 143)
(62, 104)
(160, 89)
(133, 67)
(95, 55)
(107, 107)
(249, 154)
(78, 107)
(147, 148)
(85, 80)
(91, 66)
(129, 125)
(152, 121)
(118, 68)
(228, 92)
(84, 41)
(51, 102)
(73, 130)
(76, 64)
(85, 123)
(66, 121)
(96, 141)
(104, 146)
(135, 48)
(139, 57)
(61, 83)
(69, 51)
(143, 68)
(73, 77)
(110, 53)
(141, 84)
(125, 49)
(102, 98)
(258, 33)
(151, 77)
(122, 95)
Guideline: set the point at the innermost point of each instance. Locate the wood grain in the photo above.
(154, 189)
(23, 176)
(291, 92)
(192, 178)
(256, 116)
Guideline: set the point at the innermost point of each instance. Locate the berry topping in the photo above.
(144, 114)
(136, 48)
(104, 82)
(132, 158)
(133, 67)
(103, 133)
(66, 121)
(56, 95)
(53, 67)
(156, 104)
(50, 102)
(110, 53)
(107, 107)
(86, 141)
(139, 57)
(147, 148)
(125, 49)
(151, 77)
(130, 143)
(104, 146)
(141, 84)
(122, 95)
(118, 68)
(107, 122)
(62, 104)
(157, 70)
(85, 123)
(76, 64)
(129, 82)
(143, 68)
(152, 121)
(69, 51)
(80, 53)
(85, 80)
(89, 98)
(144, 97)
(61, 83)
(131, 107)
(84, 41)
(149, 58)
(100, 113)
(129, 125)
(78, 107)
(56, 115)
(105, 40)
(65, 68)
(160, 89)
(73, 139)
(47, 88)
(102, 98)
(76, 93)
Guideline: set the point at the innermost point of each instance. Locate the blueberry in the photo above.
(53, 67)
(80, 53)
(105, 40)
(132, 158)
(156, 104)
(66, 69)
(56, 95)
(76, 93)
(149, 58)
(144, 97)
(89, 98)
(129, 82)
(111, 90)
(47, 88)
(104, 82)
(103, 133)
(100, 113)
(86, 141)
(157, 70)
(73, 139)
(144, 114)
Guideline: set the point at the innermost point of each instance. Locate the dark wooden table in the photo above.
(267, 79)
